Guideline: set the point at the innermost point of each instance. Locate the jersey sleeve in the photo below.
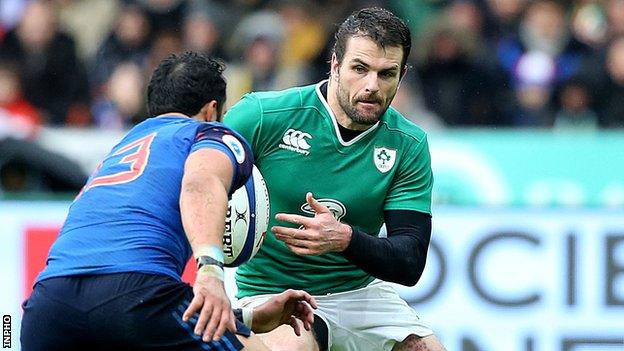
(245, 117)
(219, 137)
(412, 185)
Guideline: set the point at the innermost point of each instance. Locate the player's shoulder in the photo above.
(172, 121)
(182, 128)
(207, 129)
(395, 123)
(288, 99)
(166, 125)
(213, 133)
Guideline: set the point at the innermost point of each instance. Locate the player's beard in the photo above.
(350, 106)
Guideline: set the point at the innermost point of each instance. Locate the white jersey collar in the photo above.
(335, 122)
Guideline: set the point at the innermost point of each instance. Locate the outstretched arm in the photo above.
(399, 258)
(203, 205)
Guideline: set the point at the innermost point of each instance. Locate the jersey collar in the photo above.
(172, 115)
(335, 122)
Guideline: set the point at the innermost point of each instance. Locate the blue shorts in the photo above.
(125, 311)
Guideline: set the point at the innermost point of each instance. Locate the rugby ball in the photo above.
(246, 221)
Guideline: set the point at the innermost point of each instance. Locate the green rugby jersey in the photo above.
(297, 146)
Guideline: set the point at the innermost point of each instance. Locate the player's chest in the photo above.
(350, 179)
(314, 150)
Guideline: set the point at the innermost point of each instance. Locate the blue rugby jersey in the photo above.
(127, 217)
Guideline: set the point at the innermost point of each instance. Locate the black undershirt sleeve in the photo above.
(399, 258)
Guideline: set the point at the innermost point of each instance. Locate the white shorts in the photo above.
(371, 318)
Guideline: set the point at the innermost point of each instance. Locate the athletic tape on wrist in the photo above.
(211, 270)
(207, 261)
(211, 251)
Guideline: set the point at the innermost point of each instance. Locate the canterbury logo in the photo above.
(295, 140)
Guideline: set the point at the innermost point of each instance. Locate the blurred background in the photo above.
(523, 101)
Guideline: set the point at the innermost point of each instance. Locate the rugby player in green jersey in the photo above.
(339, 162)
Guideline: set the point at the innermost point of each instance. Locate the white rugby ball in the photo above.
(246, 221)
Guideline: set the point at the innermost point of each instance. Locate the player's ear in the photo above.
(334, 65)
(403, 73)
(209, 112)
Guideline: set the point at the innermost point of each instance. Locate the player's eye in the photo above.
(359, 69)
(387, 74)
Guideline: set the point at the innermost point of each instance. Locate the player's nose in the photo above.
(371, 84)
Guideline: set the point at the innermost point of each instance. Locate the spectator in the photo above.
(121, 103)
(54, 79)
(304, 35)
(24, 165)
(456, 87)
(465, 16)
(589, 24)
(10, 14)
(88, 22)
(202, 32)
(265, 23)
(575, 107)
(129, 42)
(164, 43)
(164, 15)
(612, 106)
(260, 38)
(332, 13)
(503, 18)
(18, 117)
(274, 44)
(615, 15)
(535, 76)
(543, 39)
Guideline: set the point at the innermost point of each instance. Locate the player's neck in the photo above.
(341, 116)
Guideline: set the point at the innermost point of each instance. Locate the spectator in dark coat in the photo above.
(54, 79)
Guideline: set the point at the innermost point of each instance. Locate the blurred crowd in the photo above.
(513, 63)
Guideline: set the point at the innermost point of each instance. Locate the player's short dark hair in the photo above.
(185, 83)
(380, 25)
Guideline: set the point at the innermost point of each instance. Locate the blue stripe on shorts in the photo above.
(228, 342)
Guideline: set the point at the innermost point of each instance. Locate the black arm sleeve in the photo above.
(399, 258)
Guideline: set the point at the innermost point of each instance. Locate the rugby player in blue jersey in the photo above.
(112, 279)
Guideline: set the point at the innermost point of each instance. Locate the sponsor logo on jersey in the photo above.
(336, 207)
(296, 140)
(384, 158)
(237, 148)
